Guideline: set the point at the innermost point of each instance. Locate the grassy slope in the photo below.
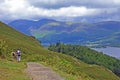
(12, 71)
(69, 67)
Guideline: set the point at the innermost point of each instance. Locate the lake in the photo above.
(112, 51)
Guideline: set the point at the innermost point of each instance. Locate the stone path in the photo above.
(39, 72)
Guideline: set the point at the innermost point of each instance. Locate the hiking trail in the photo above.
(39, 72)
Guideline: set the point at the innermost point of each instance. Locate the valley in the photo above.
(66, 66)
(59, 39)
(100, 34)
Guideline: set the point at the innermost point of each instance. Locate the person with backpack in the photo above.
(18, 54)
(13, 55)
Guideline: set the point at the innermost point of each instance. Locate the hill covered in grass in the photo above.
(88, 55)
(68, 67)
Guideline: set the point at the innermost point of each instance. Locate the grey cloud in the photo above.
(61, 9)
(66, 3)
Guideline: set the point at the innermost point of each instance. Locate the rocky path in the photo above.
(39, 72)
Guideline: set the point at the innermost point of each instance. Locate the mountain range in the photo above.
(106, 33)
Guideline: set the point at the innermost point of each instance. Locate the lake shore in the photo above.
(111, 51)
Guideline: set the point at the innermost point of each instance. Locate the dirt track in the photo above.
(39, 72)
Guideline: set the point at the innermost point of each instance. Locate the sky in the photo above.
(71, 10)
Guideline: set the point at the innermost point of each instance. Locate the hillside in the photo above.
(67, 66)
(50, 31)
(88, 55)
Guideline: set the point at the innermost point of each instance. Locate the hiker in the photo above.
(18, 55)
(13, 54)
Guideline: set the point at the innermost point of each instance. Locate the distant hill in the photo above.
(25, 26)
(105, 33)
(70, 68)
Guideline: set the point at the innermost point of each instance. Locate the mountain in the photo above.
(24, 26)
(50, 31)
(68, 67)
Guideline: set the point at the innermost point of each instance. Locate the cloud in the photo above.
(63, 9)
(23, 9)
(66, 3)
(66, 12)
(13, 8)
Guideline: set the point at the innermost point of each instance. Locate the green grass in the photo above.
(67, 66)
(72, 69)
(12, 71)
